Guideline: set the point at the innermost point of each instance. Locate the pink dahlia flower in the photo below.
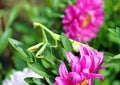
(68, 78)
(83, 20)
(88, 63)
(83, 69)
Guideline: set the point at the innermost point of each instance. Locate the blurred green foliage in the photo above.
(19, 15)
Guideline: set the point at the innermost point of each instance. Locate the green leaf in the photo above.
(13, 15)
(117, 56)
(115, 59)
(50, 81)
(29, 81)
(4, 39)
(51, 40)
(39, 81)
(18, 62)
(112, 31)
(39, 69)
(64, 51)
(36, 81)
(20, 47)
(49, 64)
(66, 42)
(108, 56)
(115, 31)
(114, 38)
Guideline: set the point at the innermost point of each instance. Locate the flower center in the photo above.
(84, 82)
(87, 20)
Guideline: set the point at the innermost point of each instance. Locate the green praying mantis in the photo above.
(55, 37)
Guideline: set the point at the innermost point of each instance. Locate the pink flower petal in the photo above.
(63, 71)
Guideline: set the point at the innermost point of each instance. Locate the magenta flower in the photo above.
(83, 20)
(88, 63)
(83, 69)
(68, 78)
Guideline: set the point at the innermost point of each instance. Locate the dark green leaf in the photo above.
(66, 42)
